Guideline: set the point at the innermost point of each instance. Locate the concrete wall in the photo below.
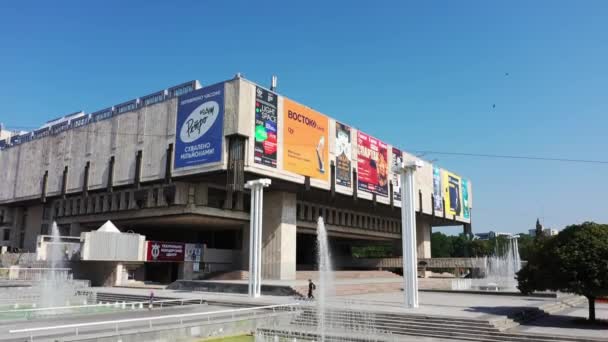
(279, 236)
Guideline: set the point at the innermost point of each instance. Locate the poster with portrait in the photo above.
(343, 155)
(452, 194)
(397, 161)
(265, 143)
(372, 165)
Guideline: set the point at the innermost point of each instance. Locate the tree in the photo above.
(574, 261)
(441, 245)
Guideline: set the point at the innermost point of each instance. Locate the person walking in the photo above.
(311, 288)
(151, 300)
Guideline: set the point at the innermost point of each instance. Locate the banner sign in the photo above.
(453, 204)
(437, 190)
(60, 127)
(343, 155)
(265, 148)
(372, 165)
(397, 160)
(164, 251)
(199, 127)
(305, 140)
(82, 121)
(102, 114)
(194, 253)
(41, 133)
(465, 199)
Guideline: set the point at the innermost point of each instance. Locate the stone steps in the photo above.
(429, 326)
(305, 275)
(117, 297)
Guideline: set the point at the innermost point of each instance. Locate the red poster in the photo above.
(164, 251)
(372, 164)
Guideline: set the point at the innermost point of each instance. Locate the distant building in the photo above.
(546, 232)
(491, 235)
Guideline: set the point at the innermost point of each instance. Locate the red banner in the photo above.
(372, 164)
(164, 251)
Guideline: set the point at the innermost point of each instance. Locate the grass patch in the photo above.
(238, 338)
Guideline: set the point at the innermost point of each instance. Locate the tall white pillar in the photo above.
(255, 235)
(408, 234)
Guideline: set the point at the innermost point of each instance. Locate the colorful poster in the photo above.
(437, 190)
(265, 148)
(397, 161)
(452, 194)
(199, 127)
(305, 140)
(343, 155)
(372, 165)
(164, 251)
(465, 199)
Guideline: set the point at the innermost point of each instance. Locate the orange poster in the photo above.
(305, 140)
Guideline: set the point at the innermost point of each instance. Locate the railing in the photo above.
(23, 273)
(178, 318)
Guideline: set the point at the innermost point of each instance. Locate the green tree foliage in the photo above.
(574, 261)
(441, 246)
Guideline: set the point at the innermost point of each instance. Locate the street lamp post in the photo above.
(255, 235)
(408, 233)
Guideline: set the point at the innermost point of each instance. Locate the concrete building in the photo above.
(172, 166)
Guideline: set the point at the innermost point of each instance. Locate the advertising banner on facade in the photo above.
(372, 164)
(343, 155)
(465, 199)
(452, 194)
(194, 253)
(305, 141)
(164, 251)
(397, 160)
(437, 189)
(199, 127)
(265, 149)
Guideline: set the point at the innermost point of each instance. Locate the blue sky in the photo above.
(421, 75)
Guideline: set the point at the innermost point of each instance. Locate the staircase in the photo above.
(391, 325)
(127, 298)
(305, 275)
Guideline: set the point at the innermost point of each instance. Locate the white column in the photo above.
(255, 235)
(408, 234)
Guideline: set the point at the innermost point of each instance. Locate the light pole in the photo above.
(255, 235)
(408, 233)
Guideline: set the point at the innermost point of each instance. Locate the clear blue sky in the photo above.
(421, 75)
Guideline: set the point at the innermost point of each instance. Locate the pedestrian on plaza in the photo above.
(311, 288)
(151, 300)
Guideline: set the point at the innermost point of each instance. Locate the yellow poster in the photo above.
(305, 141)
(452, 193)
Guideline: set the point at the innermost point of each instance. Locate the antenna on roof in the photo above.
(273, 83)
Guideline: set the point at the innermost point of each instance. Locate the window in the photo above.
(44, 229)
(21, 239)
(6, 235)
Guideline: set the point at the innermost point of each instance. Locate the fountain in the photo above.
(500, 270)
(326, 285)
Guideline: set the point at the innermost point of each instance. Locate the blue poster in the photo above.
(199, 127)
(465, 199)
(437, 197)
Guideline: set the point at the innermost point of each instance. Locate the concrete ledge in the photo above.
(226, 287)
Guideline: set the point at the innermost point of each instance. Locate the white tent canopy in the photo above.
(108, 227)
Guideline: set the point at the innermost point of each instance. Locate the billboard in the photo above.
(397, 160)
(305, 140)
(372, 160)
(199, 127)
(343, 155)
(465, 199)
(164, 251)
(437, 190)
(265, 145)
(452, 194)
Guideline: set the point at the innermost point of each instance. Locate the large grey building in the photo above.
(172, 166)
